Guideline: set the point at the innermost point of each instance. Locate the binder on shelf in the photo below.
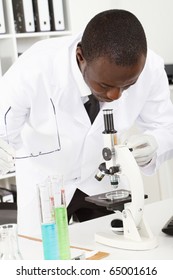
(56, 15)
(23, 16)
(2, 19)
(41, 15)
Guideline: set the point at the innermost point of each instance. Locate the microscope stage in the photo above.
(111, 200)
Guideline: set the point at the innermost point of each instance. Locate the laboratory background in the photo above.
(156, 17)
(20, 28)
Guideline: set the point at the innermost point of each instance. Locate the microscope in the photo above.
(129, 229)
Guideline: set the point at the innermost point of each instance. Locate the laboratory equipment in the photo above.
(132, 230)
(61, 217)
(9, 247)
(48, 225)
(168, 227)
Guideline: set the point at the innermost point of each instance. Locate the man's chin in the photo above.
(104, 100)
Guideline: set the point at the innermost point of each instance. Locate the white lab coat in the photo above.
(46, 71)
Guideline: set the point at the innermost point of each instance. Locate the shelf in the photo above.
(8, 175)
(12, 43)
(8, 49)
(5, 36)
(42, 34)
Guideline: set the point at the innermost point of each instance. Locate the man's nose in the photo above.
(114, 93)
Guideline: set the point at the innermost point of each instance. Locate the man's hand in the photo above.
(143, 147)
(7, 157)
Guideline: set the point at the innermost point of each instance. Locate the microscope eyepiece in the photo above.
(108, 121)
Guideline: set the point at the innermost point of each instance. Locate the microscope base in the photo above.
(120, 241)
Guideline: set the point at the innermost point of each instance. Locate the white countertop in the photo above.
(82, 235)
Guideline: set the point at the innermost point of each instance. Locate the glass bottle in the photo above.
(9, 248)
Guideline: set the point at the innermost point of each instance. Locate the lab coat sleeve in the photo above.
(14, 104)
(156, 118)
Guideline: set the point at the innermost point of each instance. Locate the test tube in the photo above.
(48, 225)
(61, 218)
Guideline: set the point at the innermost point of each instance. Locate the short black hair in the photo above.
(115, 34)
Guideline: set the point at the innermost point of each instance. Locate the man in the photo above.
(43, 116)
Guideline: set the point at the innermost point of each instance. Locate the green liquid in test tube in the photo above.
(61, 221)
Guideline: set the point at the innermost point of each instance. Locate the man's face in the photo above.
(106, 80)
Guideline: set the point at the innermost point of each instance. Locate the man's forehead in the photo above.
(103, 71)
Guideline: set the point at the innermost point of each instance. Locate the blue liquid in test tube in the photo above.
(49, 239)
(48, 225)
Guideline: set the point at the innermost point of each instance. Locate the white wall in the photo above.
(155, 15)
(81, 11)
(157, 19)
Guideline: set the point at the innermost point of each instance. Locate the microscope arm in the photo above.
(120, 161)
(130, 169)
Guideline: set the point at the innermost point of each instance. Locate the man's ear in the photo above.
(79, 55)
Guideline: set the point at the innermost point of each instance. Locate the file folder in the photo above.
(56, 15)
(41, 14)
(23, 16)
(2, 18)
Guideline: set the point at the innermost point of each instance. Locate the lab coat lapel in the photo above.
(67, 96)
(74, 107)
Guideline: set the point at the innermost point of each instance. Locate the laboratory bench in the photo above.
(82, 237)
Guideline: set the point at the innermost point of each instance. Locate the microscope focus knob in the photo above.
(107, 154)
(114, 169)
(117, 226)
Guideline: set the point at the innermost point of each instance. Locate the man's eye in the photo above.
(104, 86)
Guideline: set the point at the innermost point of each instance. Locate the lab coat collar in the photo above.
(67, 58)
(67, 80)
(83, 88)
